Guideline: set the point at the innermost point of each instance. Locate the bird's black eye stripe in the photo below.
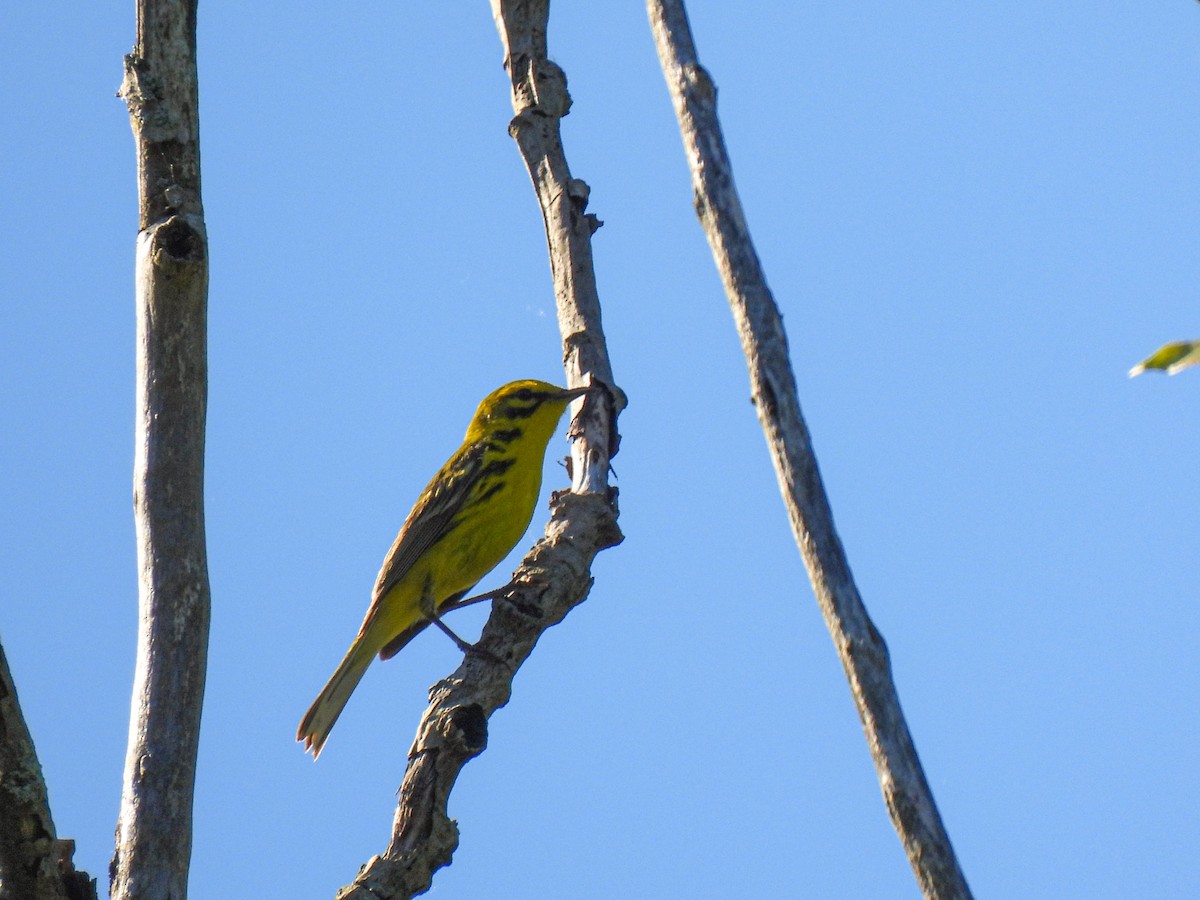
(524, 403)
(519, 412)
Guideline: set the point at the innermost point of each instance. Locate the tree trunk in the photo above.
(154, 832)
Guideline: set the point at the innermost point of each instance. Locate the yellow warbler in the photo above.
(471, 514)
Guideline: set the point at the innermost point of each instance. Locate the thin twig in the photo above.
(555, 576)
(861, 648)
(154, 833)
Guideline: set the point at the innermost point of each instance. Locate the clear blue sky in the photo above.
(975, 217)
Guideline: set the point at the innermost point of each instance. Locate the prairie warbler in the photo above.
(466, 520)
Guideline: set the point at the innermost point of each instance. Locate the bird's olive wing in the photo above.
(433, 516)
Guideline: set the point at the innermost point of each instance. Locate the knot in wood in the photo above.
(179, 240)
(578, 191)
(466, 726)
(548, 84)
(698, 85)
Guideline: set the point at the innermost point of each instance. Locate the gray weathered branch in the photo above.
(34, 864)
(154, 832)
(861, 648)
(555, 576)
(540, 99)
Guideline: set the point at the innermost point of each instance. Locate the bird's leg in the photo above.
(457, 603)
(464, 646)
(458, 642)
(434, 615)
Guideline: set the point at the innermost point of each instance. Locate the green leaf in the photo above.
(1173, 357)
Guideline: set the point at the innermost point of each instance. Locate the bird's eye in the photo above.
(524, 394)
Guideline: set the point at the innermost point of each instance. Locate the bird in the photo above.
(471, 514)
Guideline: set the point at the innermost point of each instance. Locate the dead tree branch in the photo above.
(34, 863)
(555, 576)
(861, 648)
(154, 832)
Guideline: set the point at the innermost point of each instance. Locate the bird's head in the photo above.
(527, 407)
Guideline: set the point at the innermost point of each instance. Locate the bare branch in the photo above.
(154, 832)
(553, 579)
(861, 648)
(540, 100)
(555, 575)
(34, 864)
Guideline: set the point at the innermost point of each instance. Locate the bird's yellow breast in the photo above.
(488, 531)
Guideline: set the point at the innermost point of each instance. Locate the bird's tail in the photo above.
(317, 722)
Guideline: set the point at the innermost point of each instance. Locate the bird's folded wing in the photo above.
(435, 515)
